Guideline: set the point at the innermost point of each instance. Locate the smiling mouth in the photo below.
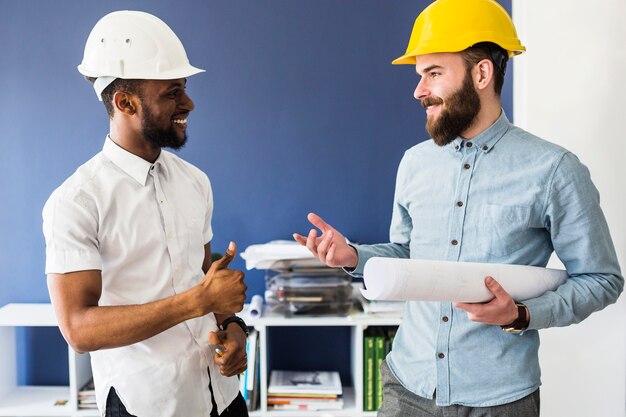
(179, 121)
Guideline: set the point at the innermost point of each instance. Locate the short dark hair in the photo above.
(497, 55)
(132, 86)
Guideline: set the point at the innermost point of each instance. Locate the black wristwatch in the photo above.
(235, 319)
(520, 323)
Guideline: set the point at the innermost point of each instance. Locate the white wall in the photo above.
(570, 88)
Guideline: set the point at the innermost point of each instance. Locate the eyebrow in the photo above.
(177, 83)
(430, 68)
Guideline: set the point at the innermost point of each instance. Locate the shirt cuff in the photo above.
(364, 253)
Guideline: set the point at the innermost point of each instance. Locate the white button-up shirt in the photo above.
(144, 226)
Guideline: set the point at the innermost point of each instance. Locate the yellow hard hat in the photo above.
(455, 25)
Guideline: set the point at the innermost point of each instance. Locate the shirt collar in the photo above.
(133, 165)
(488, 138)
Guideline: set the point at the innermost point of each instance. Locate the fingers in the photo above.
(300, 239)
(324, 245)
(214, 339)
(495, 288)
(232, 362)
(223, 262)
(311, 241)
(318, 222)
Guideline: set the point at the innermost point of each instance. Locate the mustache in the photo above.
(432, 101)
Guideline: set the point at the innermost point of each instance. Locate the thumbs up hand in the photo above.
(222, 290)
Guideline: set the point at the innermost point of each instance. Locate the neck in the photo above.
(489, 112)
(132, 141)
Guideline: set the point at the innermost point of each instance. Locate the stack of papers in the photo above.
(277, 254)
(293, 390)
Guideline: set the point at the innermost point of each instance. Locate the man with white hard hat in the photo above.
(128, 241)
(482, 190)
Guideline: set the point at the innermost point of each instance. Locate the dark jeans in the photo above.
(237, 408)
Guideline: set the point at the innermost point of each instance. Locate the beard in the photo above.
(461, 109)
(160, 137)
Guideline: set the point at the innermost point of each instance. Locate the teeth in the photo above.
(180, 121)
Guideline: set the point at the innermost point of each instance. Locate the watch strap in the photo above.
(234, 319)
(520, 323)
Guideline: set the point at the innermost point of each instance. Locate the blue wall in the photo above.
(299, 110)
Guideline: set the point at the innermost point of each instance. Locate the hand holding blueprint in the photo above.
(425, 280)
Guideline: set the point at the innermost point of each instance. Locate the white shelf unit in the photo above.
(353, 395)
(38, 401)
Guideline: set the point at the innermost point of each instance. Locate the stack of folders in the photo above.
(249, 381)
(87, 396)
(293, 390)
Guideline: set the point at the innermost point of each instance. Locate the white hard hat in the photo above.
(133, 45)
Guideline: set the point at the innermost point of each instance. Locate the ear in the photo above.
(125, 103)
(483, 74)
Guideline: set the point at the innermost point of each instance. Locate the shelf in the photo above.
(35, 401)
(270, 318)
(28, 315)
(87, 413)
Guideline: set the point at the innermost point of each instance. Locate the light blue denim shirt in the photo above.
(509, 197)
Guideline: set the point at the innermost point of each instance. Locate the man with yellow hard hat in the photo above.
(128, 241)
(482, 190)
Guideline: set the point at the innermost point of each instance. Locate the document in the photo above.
(277, 254)
(425, 280)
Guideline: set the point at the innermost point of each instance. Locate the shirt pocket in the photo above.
(501, 229)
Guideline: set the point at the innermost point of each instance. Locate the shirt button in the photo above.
(485, 147)
(445, 319)
(459, 203)
(469, 144)
(441, 356)
(466, 166)
(455, 242)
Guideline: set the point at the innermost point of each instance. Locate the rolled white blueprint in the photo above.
(256, 305)
(425, 280)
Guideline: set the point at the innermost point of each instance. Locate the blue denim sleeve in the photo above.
(581, 239)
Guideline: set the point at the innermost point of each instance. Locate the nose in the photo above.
(421, 92)
(186, 102)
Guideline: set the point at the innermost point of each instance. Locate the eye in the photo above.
(174, 93)
(434, 74)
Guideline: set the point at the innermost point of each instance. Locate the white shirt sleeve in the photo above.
(70, 227)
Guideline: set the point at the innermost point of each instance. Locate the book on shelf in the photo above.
(298, 382)
(311, 404)
(377, 343)
(368, 371)
(300, 390)
(249, 382)
(87, 396)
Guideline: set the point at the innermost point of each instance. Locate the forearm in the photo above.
(92, 328)
(575, 300)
